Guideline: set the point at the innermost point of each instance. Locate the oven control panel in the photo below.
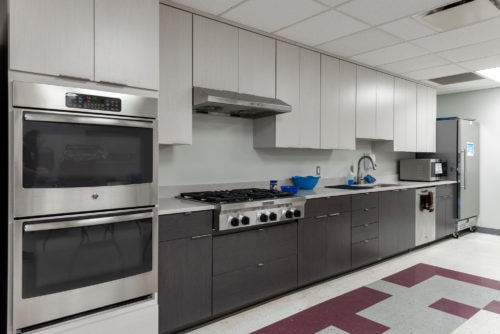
(93, 102)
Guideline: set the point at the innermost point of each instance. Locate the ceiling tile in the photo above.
(435, 72)
(213, 6)
(321, 28)
(407, 28)
(466, 86)
(479, 50)
(482, 64)
(473, 34)
(332, 3)
(382, 11)
(390, 54)
(416, 63)
(271, 15)
(360, 42)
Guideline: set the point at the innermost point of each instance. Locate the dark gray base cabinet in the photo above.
(185, 270)
(251, 266)
(324, 247)
(396, 221)
(446, 210)
(364, 229)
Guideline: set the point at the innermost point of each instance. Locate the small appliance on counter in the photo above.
(421, 169)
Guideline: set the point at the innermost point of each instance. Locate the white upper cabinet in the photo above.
(310, 99)
(215, 54)
(52, 37)
(116, 41)
(374, 104)
(405, 115)
(338, 104)
(257, 64)
(175, 102)
(426, 119)
(126, 42)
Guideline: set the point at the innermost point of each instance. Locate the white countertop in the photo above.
(175, 205)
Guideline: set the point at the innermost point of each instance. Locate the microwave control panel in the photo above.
(94, 102)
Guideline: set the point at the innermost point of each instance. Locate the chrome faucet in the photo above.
(358, 177)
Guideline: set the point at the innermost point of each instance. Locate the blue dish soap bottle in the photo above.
(350, 176)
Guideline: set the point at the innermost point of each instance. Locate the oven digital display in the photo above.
(94, 102)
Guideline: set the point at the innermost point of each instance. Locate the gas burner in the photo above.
(244, 208)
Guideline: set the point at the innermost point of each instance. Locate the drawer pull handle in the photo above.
(260, 265)
(201, 236)
(334, 214)
(187, 213)
(366, 225)
(366, 209)
(260, 229)
(321, 216)
(366, 241)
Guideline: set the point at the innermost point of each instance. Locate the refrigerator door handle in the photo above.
(463, 169)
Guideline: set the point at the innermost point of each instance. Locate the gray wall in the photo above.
(222, 152)
(484, 106)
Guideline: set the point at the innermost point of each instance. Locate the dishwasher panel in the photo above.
(425, 215)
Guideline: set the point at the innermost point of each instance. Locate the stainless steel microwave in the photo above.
(421, 169)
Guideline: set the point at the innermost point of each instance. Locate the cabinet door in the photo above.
(127, 42)
(405, 115)
(338, 246)
(385, 107)
(176, 83)
(446, 210)
(396, 221)
(288, 89)
(312, 250)
(184, 282)
(52, 37)
(366, 103)
(426, 119)
(347, 106)
(257, 64)
(215, 54)
(310, 99)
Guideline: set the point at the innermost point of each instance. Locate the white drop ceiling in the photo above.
(389, 35)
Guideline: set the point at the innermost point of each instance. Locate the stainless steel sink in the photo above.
(388, 185)
(364, 186)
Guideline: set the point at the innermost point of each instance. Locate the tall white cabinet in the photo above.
(338, 104)
(175, 101)
(111, 41)
(426, 119)
(405, 115)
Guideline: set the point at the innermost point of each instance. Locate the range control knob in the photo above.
(273, 216)
(289, 214)
(296, 213)
(244, 220)
(234, 221)
(263, 217)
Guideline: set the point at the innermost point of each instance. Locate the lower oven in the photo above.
(72, 264)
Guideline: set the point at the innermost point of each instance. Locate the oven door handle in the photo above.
(58, 118)
(85, 222)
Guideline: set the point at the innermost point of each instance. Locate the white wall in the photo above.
(222, 152)
(484, 106)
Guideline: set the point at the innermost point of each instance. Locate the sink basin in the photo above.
(388, 185)
(363, 186)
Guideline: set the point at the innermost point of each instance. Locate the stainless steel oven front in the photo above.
(69, 264)
(80, 150)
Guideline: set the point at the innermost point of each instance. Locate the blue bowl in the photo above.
(305, 182)
(290, 189)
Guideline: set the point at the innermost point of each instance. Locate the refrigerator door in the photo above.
(468, 136)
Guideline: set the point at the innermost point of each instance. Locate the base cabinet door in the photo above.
(184, 271)
(446, 210)
(396, 221)
(312, 250)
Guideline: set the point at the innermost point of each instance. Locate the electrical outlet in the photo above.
(318, 170)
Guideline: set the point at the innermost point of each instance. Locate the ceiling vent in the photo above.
(461, 13)
(457, 78)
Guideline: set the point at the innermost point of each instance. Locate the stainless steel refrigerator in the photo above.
(457, 144)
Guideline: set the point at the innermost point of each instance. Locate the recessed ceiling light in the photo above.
(490, 73)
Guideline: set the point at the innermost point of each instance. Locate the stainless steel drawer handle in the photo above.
(260, 265)
(334, 214)
(321, 216)
(366, 225)
(201, 236)
(366, 209)
(366, 241)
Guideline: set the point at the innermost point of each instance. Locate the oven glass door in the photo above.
(60, 255)
(62, 150)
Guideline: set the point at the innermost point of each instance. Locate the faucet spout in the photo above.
(358, 177)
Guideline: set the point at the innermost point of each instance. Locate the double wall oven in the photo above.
(84, 201)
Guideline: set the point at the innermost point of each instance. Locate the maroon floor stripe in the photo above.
(452, 307)
(494, 307)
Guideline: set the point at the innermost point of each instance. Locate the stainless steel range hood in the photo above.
(220, 102)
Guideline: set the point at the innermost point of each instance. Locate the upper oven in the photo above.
(80, 150)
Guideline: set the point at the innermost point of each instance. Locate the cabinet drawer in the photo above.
(325, 205)
(253, 283)
(365, 216)
(183, 225)
(364, 252)
(365, 200)
(364, 232)
(248, 248)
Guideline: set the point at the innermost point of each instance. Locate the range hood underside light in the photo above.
(461, 13)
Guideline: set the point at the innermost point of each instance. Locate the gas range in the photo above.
(244, 208)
